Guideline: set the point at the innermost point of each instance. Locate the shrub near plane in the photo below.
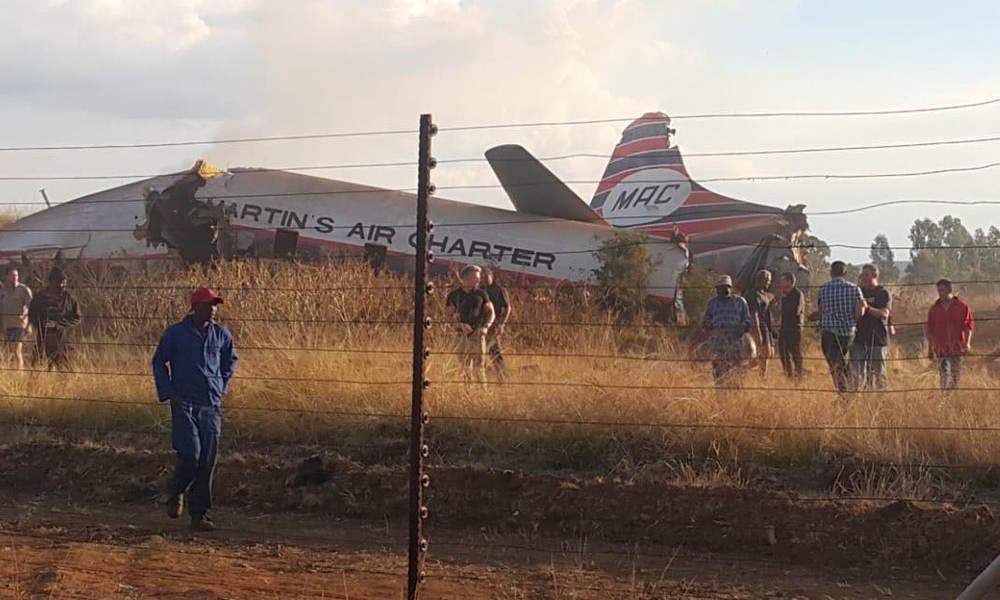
(206, 212)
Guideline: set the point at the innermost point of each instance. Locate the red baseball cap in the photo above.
(205, 296)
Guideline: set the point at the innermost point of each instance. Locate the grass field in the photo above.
(337, 338)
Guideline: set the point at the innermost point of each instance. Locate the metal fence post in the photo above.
(419, 480)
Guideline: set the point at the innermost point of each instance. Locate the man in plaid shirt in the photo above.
(727, 318)
(841, 306)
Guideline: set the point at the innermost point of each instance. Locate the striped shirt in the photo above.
(838, 301)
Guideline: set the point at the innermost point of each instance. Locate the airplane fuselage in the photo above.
(327, 218)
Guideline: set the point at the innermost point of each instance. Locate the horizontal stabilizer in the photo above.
(534, 189)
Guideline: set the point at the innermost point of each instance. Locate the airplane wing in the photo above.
(534, 189)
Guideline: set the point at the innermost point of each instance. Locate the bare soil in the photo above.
(82, 520)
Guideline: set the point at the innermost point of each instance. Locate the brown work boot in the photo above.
(175, 505)
(202, 523)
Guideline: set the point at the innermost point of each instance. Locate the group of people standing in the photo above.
(49, 314)
(856, 327)
(855, 322)
(479, 308)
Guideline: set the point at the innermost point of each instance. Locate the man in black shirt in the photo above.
(52, 312)
(473, 314)
(759, 301)
(871, 343)
(793, 304)
(501, 306)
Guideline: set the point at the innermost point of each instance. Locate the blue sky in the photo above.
(114, 71)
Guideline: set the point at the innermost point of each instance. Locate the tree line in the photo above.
(944, 248)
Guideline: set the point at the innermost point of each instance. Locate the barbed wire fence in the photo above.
(425, 460)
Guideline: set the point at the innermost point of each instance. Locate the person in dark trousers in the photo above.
(473, 315)
(870, 349)
(949, 334)
(727, 318)
(793, 303)
(52, 313)
(192, 367)
(759, 301)
(503, 309)
(841, 306)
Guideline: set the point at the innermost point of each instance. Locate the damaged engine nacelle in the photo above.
(781, 252)
(177, 219)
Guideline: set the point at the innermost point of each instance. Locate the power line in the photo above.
(732, 115)
(255, 320)
(510, 286)
(750, 178)
(806, 246)
(723, 153)
(164, 429)
(389, 132)
(649, 241)
(340, 322)
(705, 388)
(728, 211)
(480, 159)
(253, 170)
(234, 407)
(236, 377)
(408, 353)
(241, 140)
(707, 426)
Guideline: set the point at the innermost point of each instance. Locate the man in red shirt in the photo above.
(949, 334)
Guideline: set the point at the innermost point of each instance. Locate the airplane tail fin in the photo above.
(647, 187)
(645, 180)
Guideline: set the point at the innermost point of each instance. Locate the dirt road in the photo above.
(84, 520)
(64, 551)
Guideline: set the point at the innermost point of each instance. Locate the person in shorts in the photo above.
(15, 298)
(503, 309)
(473, 315)
(759, 300)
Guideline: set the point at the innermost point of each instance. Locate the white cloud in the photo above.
(132, 59)
(166, 25)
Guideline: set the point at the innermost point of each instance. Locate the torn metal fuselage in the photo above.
(175, 218)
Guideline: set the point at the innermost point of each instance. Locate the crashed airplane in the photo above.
(209, 213)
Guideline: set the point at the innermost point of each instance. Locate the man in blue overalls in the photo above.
(193, 366)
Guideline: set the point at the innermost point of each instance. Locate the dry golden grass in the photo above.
(267, 302)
